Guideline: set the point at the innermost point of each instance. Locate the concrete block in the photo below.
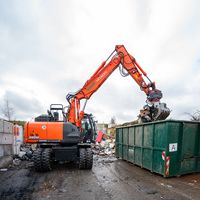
(1, 126)
(1, 151)
(6, 138)
(7, 127)
(8, 149)
(1, 138)
(5, 161)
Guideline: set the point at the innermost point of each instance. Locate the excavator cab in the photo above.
(88, 130)
(56, 112)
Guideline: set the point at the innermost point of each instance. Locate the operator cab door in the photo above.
(88, 132)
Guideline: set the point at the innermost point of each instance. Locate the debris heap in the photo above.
(105, 145)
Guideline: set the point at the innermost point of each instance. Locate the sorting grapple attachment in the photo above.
(157, 111)
(160, 111)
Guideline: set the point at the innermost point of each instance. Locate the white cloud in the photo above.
(49, 48)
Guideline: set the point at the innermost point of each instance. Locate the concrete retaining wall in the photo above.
(6, 127)
(6, 139)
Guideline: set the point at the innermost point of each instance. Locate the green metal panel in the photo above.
(138, 156)
(125, 136)
(120, 135)
(157, 162)
(119, 151)
(138, 135)
(117, 143)
(125, 152)
(147, 158)
(174, 132)
(167, 147)
(160, 135)
(131, 153)
(189, 140)
(188, 165)
(131, 137)
(198, 149)
(198, 164)
(117, 136)
(189, 151)
(148, 135)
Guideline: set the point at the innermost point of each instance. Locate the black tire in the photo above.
(37, 159)
(89, 158)
(82, 158)
(46, 160)
(42, 159)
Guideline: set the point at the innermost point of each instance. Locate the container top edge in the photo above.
(159, 121)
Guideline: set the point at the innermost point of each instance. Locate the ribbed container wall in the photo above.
(169, 147)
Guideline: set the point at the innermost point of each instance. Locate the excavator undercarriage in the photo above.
(44, 157)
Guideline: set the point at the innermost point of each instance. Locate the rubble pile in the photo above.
(105, 145)
(25, 153)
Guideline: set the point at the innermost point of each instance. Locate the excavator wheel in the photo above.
(46, 160)
(82, 158)
(37, 160)
(89, 158)
(42, 159)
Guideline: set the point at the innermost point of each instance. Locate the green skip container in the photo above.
(169, 147)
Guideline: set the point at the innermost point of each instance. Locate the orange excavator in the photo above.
(69, 139)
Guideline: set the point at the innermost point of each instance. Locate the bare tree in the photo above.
(7, 110)
(195, 116)
(113, 120)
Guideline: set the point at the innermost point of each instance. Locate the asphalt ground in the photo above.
(109, 179)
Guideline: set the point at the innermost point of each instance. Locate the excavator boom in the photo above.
(119, 58)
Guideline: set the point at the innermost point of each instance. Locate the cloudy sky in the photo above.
(49, 48)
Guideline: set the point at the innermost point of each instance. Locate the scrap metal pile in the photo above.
(105, 145)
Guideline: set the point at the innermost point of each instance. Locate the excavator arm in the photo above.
(119, 57)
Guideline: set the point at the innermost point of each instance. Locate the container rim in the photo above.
(158, 122)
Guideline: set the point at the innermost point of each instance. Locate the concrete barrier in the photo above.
(5, 161)
(6, 142)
